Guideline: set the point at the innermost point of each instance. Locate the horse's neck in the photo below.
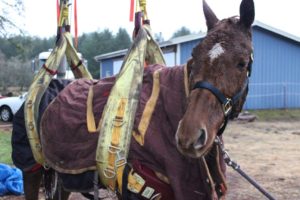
(173, 93)
(158, 148)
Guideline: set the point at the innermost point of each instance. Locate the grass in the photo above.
(5, 147)
(277, 115)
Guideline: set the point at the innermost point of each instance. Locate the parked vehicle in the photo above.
(10, 105)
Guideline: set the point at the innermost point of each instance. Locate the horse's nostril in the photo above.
(200, 142)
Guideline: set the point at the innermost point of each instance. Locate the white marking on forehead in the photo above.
(215, 52)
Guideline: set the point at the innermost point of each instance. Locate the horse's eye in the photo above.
(241, 64)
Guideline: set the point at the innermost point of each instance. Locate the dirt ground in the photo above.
(268, 151)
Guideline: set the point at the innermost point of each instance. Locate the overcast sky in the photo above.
(166, 16)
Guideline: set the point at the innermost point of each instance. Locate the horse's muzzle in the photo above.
(191, 145)
(202, 139)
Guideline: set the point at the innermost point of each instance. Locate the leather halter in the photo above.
(227, 103)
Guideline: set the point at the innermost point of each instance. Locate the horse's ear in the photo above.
(211, 18)
(247, 13)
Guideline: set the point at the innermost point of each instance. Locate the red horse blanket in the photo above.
(70, 148)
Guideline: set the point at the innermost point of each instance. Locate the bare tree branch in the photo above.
(10, 13)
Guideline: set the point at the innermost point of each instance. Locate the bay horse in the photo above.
(181, 111)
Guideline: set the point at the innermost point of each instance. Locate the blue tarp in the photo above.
(11, 180)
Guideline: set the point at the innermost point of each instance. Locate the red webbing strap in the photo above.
(75, 24)
(36, 167)
(152, 186)
(57, 11)
(131, 12)
(74, 67)
(50, 71)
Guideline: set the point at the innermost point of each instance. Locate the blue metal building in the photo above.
(275, 80)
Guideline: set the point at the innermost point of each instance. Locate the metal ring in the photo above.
(118, 122)
(109, 170)
(120, 162)
(113, 149)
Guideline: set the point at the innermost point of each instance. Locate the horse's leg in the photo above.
(61, 194)
(50, 180)
(31, 183)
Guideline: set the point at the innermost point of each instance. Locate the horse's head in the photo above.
(219, 71)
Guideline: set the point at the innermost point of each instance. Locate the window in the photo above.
(170, 59)
(117, 64)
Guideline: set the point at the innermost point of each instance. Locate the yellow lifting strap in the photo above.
(143, 8)
(119, 112)
(64, 46)
(64, 13)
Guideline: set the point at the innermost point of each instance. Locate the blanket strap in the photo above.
(90, 118)
(148, 111)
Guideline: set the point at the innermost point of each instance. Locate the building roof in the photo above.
(276, 31)
(187, 38)
(182, 39)
(111, 54)
(172, 41)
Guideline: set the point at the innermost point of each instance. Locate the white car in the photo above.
(10, 105)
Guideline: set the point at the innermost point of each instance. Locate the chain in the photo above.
(225, 154)
(237, 168)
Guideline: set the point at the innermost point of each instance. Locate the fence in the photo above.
(273, 96)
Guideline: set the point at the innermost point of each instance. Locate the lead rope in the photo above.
(237, 168)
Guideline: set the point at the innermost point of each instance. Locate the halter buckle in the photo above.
(227, 107)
